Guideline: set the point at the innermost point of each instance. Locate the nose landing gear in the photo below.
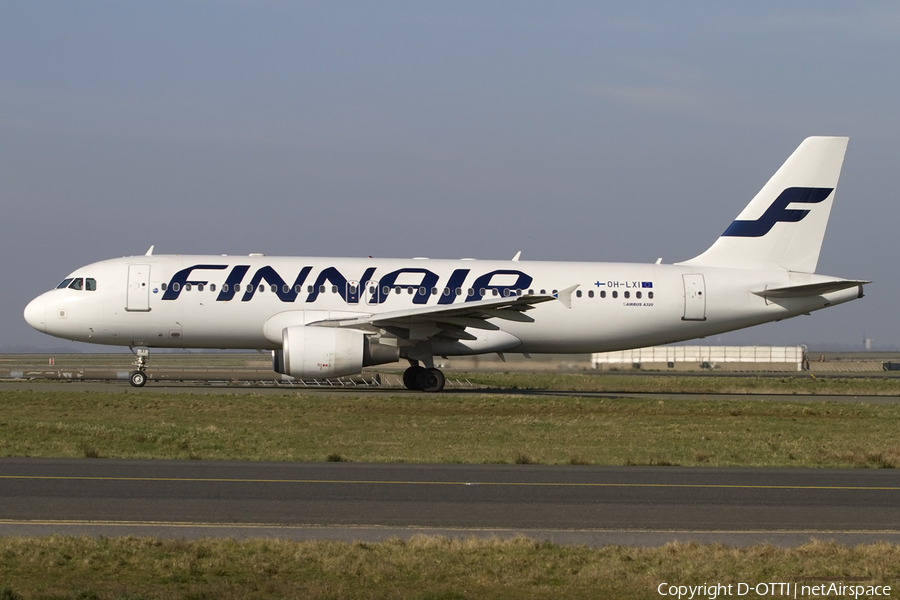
(138, 377)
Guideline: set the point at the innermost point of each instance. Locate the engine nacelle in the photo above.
(310, 352)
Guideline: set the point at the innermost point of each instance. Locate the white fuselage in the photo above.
(166, 301)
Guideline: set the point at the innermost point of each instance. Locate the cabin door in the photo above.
(138, 298)
(694, 297)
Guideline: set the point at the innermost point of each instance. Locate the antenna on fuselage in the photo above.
(150, 251)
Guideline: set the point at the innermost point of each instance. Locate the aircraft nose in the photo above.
(36, 314)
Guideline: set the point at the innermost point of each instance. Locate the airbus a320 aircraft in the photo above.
(330, 317)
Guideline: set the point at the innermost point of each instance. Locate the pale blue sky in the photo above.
(571, 131)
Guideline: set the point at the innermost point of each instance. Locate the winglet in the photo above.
(565, 296)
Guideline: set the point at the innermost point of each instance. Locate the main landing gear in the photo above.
(422, 379)
(138, 377)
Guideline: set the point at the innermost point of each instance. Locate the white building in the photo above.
(670, 357)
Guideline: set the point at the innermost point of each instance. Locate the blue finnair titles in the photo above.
(424, 287)
(331, 317)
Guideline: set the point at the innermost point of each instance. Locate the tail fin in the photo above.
(774, 231)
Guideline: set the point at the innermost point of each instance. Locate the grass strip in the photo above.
(421, 568)
(798, 384)
(450, 428)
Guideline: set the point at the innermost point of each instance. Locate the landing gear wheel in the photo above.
(411, 377)
(430, 380)
(138, 378)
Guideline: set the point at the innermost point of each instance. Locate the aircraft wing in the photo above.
(448, 321)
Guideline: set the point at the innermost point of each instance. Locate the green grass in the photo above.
(799, 384)
(423, 567)
(447, 428)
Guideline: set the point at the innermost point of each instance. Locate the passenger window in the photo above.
(615, 294)
(495, 292)
(385, 290)
(187, 287)
(199, 287)
(212, 287)
(481, 293)
(64, 283)
(90, 284)
(162, 286)
(637, 295)
(543, 292)
(397, 290)
(459, 291)
(650, 295)
(603, 293)
(334, 289)
(409, 290)
(628, 294)
(321, 289)
(471, 292)
(262, 288)
(446, 291)
(298, 288)
(531, 292)
(77, 284)
(590, 293)
(237, 287)
(578, 294)
(225, 287)
(176, 286)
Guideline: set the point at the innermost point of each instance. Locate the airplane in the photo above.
(330, 317)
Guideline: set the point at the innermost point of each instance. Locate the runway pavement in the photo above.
(564, 504)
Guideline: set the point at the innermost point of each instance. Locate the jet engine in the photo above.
(309, 352)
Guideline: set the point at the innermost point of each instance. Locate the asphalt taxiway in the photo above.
(346, 501)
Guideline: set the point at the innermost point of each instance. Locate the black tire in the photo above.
(137, 378)
(411, 377)
(431, 380)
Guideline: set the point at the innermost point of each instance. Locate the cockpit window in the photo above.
(90, 284)
(77, 284)
(64, 284)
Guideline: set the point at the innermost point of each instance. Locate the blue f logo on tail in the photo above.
(779, 211)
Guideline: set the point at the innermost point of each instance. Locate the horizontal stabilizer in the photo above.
(811, 289)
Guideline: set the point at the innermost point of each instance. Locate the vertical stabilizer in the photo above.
(784, 224)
